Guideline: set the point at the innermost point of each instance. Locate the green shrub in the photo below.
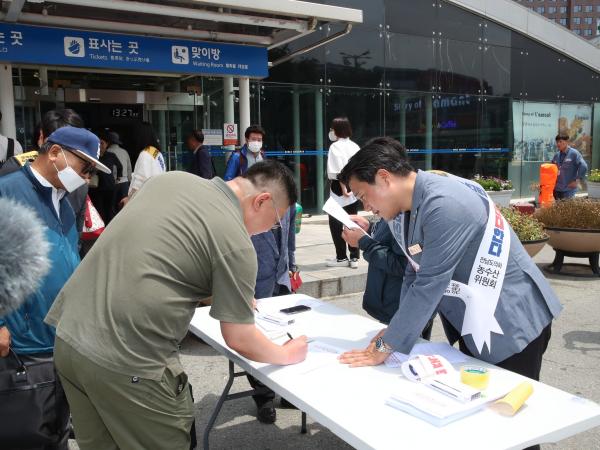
(578, 213)
(527, 227)
(594, 176)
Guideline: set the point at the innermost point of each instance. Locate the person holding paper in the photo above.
(340, 151)
(465, 262)
(120, 317)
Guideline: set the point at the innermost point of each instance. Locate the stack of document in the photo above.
(272, 326)
(421, 401)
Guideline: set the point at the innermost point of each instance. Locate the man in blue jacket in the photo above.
(251, 152)
(275, 253)
(64, 162)
(571, 168)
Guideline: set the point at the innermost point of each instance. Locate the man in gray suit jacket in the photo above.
(442, 225)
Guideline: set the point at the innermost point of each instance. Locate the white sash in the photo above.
(482, 292)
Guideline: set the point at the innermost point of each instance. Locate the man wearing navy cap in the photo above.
(64, 163)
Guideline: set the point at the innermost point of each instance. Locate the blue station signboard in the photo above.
(75, 48)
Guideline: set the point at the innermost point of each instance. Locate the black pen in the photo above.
(290, 336)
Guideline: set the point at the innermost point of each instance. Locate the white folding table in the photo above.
(351, 402)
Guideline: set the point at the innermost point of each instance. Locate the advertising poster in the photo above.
(535, 127)
(576, 122)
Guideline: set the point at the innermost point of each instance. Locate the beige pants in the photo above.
(115, 411)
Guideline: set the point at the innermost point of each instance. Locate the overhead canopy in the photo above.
(266, 23)
(535, 26)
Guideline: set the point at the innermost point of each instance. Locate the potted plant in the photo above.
(529, 230)
(593, 184)
(572, 225)
(499, 190)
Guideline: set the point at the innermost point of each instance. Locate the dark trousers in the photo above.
(268, 394)
(121, 190)
(528, 362)
(62, 407)
(563, 195)
(336, 228)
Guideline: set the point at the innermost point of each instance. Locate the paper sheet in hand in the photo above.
(332, 208)
(444, 349)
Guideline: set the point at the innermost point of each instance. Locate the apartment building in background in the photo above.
(580, 16)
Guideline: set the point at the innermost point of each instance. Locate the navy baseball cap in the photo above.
(80, 141)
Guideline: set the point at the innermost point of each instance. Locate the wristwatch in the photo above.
(382, 347)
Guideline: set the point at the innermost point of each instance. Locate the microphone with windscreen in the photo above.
(23, 254)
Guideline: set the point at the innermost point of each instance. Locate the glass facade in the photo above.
(463, 93)
(460, 91)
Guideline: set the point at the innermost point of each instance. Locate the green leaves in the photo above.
(493, 183)
(527, 227)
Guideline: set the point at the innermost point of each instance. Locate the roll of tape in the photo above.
(476, 377)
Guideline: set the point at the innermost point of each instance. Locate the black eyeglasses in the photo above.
(89, 168)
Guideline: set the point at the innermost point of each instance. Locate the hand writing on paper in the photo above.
(296, 349)
(362, 358)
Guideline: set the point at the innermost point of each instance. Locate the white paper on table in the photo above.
(319, 355)
(268, 326)
(423, 402)
(332, 208)
(444, 349)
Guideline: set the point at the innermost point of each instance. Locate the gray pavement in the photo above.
(572, 362)
(313, 248)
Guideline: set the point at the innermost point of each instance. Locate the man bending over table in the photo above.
(123, 313)
(464, 261)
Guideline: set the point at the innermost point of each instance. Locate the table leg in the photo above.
(303, 429)
(227, 396)
(594, 259)
(213, 417)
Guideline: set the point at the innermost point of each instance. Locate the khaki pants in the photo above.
(115, 411)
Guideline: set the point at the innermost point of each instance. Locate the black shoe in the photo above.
(287, 405)
(266, 413)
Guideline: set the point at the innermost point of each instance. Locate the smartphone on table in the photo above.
(295, 309)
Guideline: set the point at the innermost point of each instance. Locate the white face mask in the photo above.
(68, 177)
(332, 136)
(254, 146)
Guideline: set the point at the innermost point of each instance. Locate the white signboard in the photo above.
(230, 134)
(212, 136)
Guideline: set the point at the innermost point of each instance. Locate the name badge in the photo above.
(415, 250)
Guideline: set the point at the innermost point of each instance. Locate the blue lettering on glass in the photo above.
(68, 47)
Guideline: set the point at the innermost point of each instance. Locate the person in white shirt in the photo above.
(115, 143)
(150, 161)
(8, 147)
(340, 151)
